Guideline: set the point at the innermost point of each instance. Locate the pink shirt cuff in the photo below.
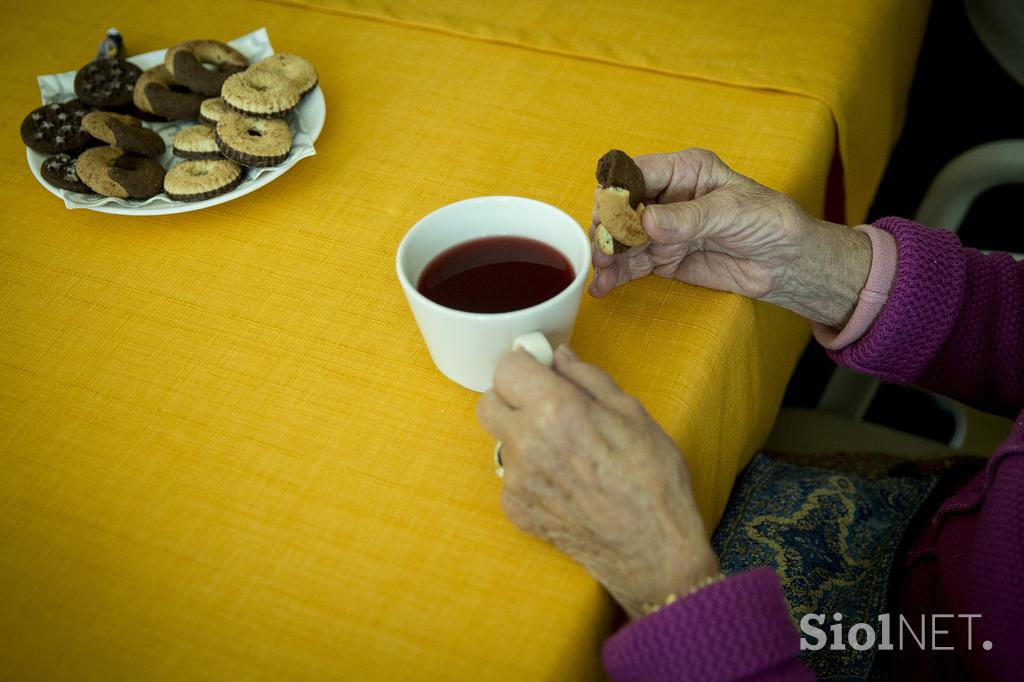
(872, 297)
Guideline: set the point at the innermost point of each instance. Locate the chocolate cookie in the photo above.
(116, 173)
(107, 83)
(619, 197)
(156, 92)
(54, 128)
(253, 141)
(617, 169)
(197, 180)
(124, 132)
(260, 92)
(196, 142)
(60, 172)
(203, 65)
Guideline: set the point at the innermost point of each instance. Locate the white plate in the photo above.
(306, 122)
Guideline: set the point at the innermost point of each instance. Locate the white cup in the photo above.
(466, 346)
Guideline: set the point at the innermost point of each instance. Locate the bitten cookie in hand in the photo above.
(620, 196)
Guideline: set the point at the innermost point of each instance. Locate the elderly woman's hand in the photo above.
(715, 228)
(588, 470)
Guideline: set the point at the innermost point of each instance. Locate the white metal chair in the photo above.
(999, 25)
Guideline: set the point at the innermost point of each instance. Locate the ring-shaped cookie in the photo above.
(199, 179)
(211, 110)
(156, 92)
(298, 70)
(253, 141)
(116, 173)
(186, 63)
(196, 142)
(124, 132)
(260, 92)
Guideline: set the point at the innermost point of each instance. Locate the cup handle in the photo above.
(537, 345)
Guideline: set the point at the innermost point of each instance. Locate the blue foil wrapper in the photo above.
(112, 46)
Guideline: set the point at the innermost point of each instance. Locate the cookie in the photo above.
(620, 197)
(156, 92)
(198, 180)
(107, 83)
(202, 66)
(296, 69)
(621, 227)
(196, 142)
(260, 92)
(617, 169)
(60, 172)
(124, 132)
(211, 110)
(253, 141)
(55, 128)
(116, 173)
(606, 243)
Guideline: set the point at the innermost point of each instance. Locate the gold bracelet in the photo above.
(650, 608)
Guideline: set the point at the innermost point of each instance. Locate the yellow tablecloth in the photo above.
(857, 58)
(224, 452)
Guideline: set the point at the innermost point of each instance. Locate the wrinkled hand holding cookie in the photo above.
(713, 227)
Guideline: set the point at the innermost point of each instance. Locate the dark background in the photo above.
(960, 97)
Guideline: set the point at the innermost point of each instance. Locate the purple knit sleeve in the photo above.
(735, 629)
(954, 322)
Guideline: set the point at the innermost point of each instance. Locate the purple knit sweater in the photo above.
(954, 323)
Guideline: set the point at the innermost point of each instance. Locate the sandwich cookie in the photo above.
(260, 92)
(253, 141)
(196, 142)
(293, 67)
(199, 179)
